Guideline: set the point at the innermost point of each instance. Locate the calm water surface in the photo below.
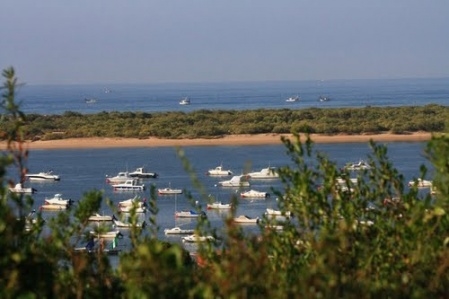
(44, 99)
(86, 169)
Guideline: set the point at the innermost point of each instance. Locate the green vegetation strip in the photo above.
(213, 124)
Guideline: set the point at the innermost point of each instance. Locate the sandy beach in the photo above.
(257, 139)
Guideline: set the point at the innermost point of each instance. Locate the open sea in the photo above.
(86, 169)
(57, 99)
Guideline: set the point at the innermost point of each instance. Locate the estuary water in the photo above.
(86, 169)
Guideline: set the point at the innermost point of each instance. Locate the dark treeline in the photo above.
(211, 124)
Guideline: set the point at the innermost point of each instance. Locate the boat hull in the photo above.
(48, 207)
(178, 231)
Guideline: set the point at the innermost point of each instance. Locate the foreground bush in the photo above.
(378, 240)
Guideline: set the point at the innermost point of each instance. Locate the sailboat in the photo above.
(177, 230)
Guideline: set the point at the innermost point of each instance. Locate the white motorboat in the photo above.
(323, 99)
(122, 224)
(197, 239)
(141, 173)
(58, 200)
(169, 191)
(219, 171)
(90, 100)
(129, 185)
(178, 231)
(184, 101)
(235, 181)
(218, 205)
(351, 181)
(276, 213)
(43, 176)
(361, 165)
(114, 251)
(18, 188)
(121, 177)
(420, 183)
(53, 207)
(293, 99)
(246, 219)
(98, 217)
(135, 201)
(107, 235)
(264, 173)
(346, 185)
(136, 209)
(254, 194)
(189, 214)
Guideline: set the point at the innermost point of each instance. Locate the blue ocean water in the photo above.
(57, 99)
(85, 169)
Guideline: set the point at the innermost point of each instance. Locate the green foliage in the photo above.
(379, 239)
(211, 124)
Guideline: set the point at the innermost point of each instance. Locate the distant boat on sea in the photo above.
(90, 100)
(293, 99)
(185, 101)
(323, 99)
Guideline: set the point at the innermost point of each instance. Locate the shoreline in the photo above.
(231, 140)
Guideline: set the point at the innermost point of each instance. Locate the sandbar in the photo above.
(230, 140)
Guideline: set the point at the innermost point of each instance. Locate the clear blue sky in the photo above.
(145, 41)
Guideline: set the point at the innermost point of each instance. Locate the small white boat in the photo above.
(218, 206)
(121, 177)
(18, 188)
(107, 235)
(235, 181)
(264, 173)
(184, 101)
(178, 231)
(43, 176)
(122, 224)
(293, 99)
(420, 183)
(135, 201)
(58, 200)
(342, 181)
(98, 217)
(107, 251)
(129, 185)
(189, 214)
(361, 165)
(136, 209)
(141, 173)
(254, 194)
(276, 213)
(246, 219)
(53, 207)
(197, 239)
(219, 171)
(169, 191)
(323, 99)
(90, 100)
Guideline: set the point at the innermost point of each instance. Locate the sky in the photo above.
(146, 41)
